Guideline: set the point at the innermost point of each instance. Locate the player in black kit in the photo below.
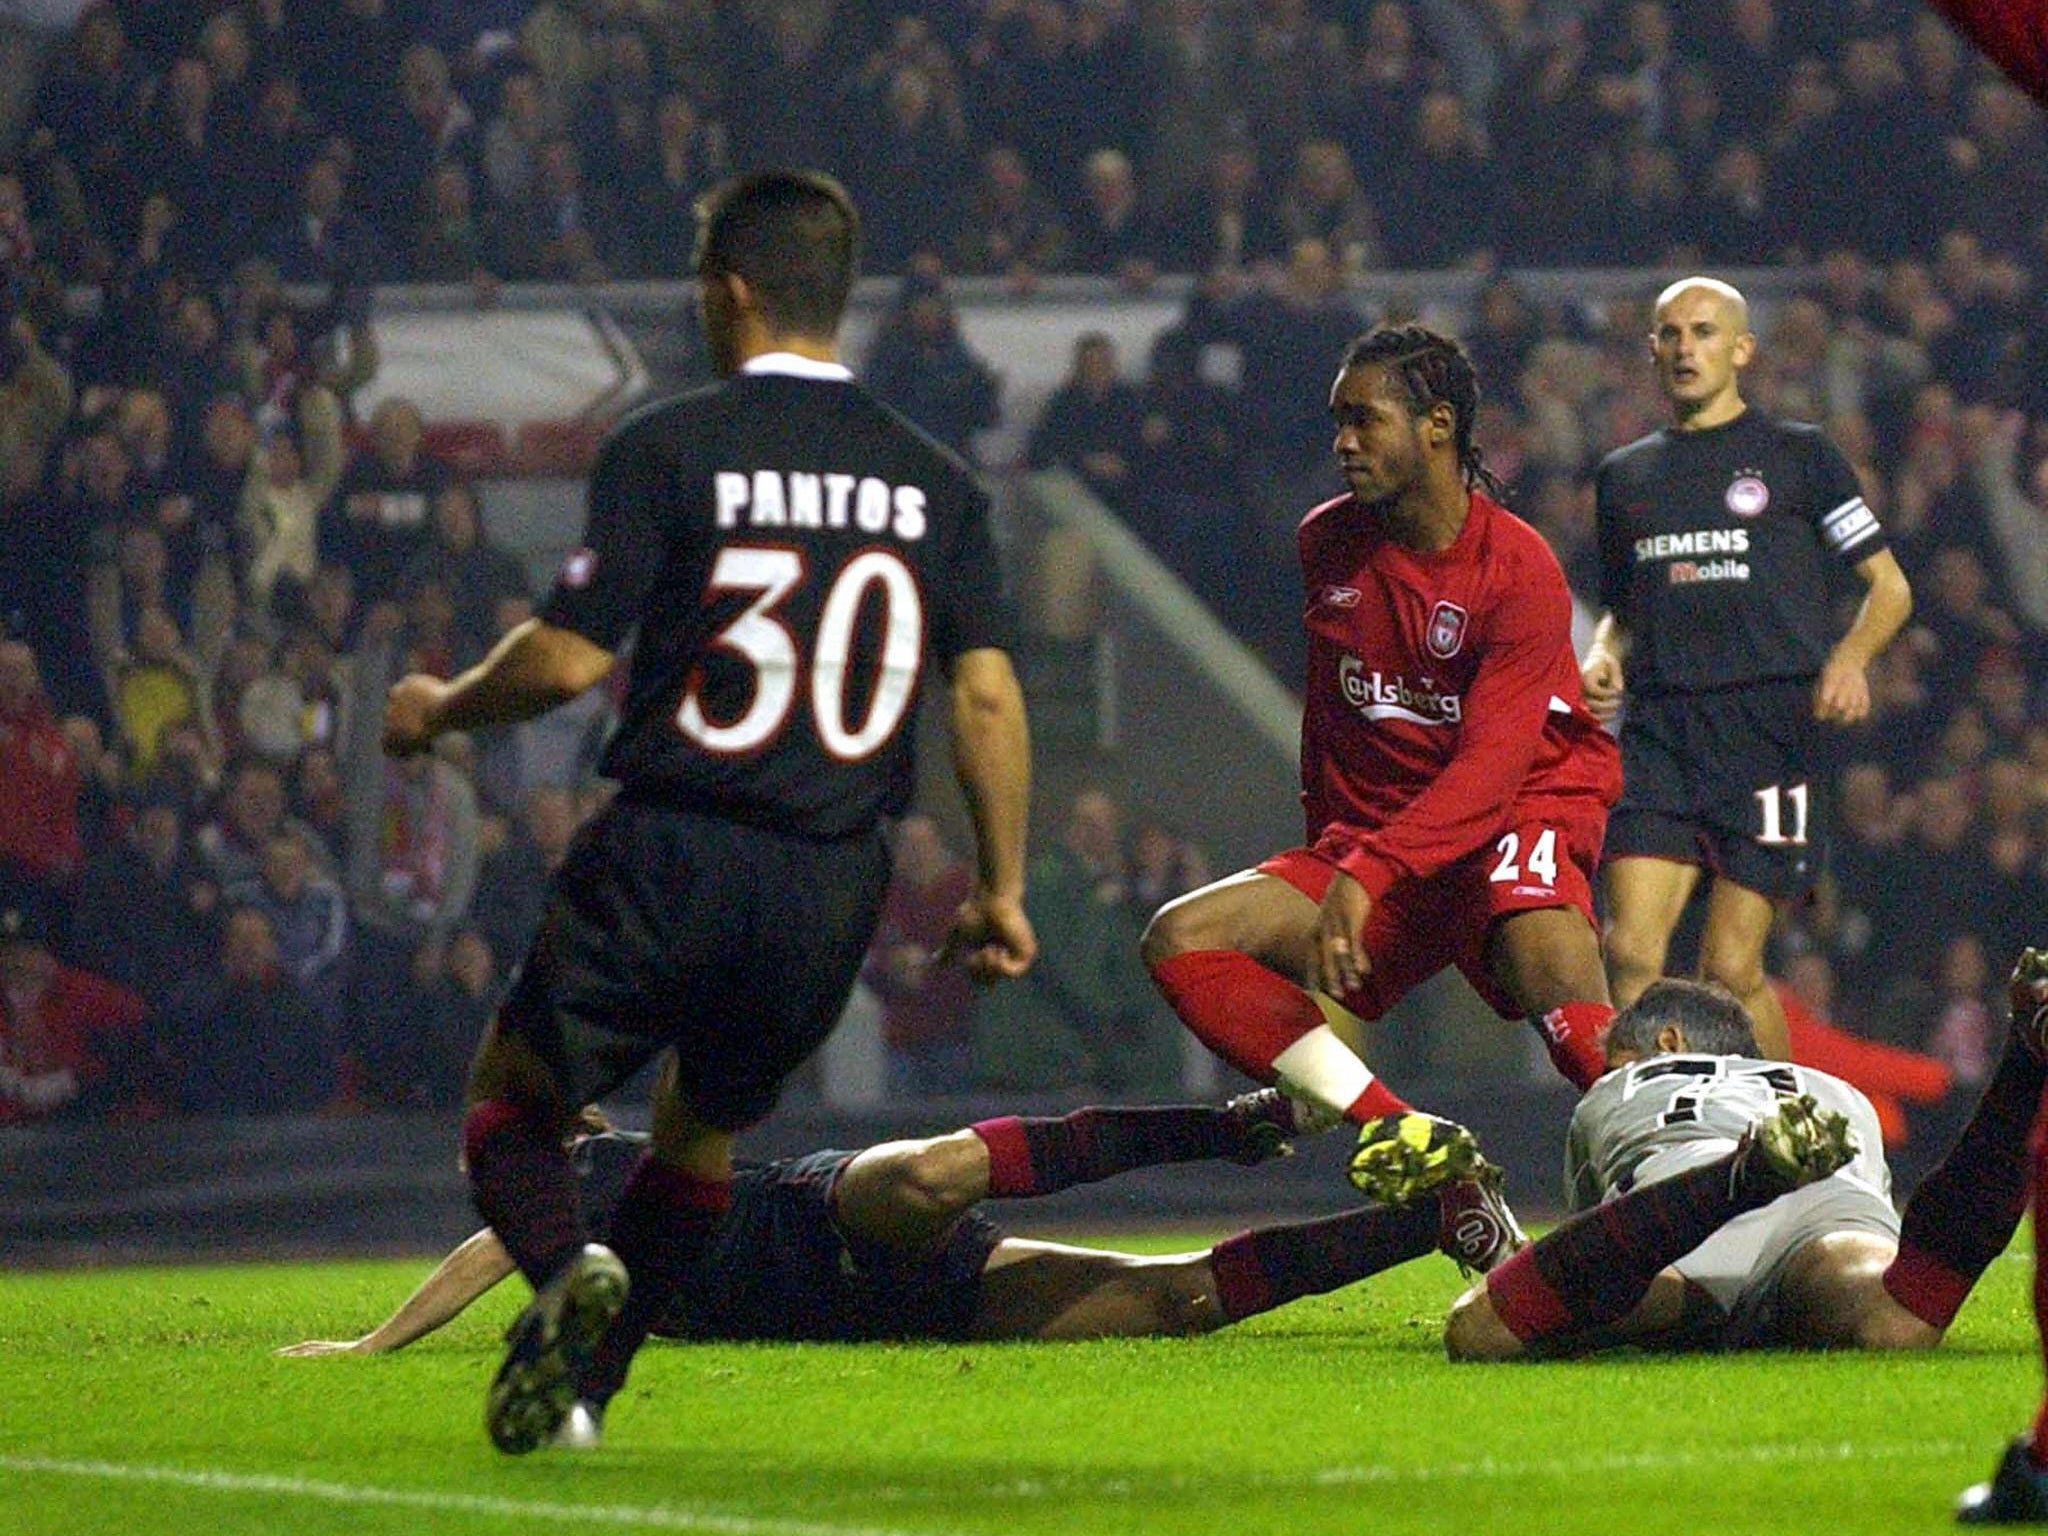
(790, 551)
(1721, 542)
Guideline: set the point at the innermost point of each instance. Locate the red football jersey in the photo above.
(1442, 691)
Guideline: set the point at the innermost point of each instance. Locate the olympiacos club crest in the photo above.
(1446, 630)
(1747, 495)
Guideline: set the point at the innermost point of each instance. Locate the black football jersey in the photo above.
(792, 552)
(1722, 551)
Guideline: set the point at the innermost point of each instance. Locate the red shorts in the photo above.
(1546, 859)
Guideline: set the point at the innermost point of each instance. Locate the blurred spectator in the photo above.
(1163, 866)
(1187, 498)
(684, 159)
(461, 558)
(1084, 1017)
(921, 365)
(435, 128)
(927, 1005)
(146, 905)
(1091, 424)
(324, 240)
(291, 478)
(66, 1036)
(35, 398)
(377, 524)
(412, 873)
(564, 229)
(453, 242)
(1113, 234)
(1441, 198)
(455, 1005)
(252, 811)
(239, 1038)
(511, 144)
(911, 172)
(1323, 202)
(1225, 220)
(512, 885)
(308, 919)
(1011, 228)
(39, 776)
(1967, 1029)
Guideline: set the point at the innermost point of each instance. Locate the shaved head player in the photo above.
(1722, 539)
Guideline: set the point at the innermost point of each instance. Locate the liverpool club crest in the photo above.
(1446, 630)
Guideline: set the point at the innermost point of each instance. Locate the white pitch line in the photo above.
(655, 1517)
(1072, 1485)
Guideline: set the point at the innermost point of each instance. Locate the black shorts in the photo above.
(779, 1267)
(1732, 779)
(664, 927)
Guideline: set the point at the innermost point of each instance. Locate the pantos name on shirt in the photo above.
(769, 498)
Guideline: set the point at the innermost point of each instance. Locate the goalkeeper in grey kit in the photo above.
(1725, 1200)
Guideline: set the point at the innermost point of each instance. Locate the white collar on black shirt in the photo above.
(796, 367)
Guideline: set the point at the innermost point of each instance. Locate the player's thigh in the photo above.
(906, 1195)
(1537, 946)
(1039, 1290)
(755, 991)
(587, 1008)
(1254, 912)
(1761, 761)
(1831, 1295)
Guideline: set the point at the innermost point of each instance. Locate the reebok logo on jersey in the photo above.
(1341, 597)
(1380, 697)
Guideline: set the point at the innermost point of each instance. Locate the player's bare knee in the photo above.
(1733, 966)
(1175, 929)
(1474, 1330)
(1634, 951)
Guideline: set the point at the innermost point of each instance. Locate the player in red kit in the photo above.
(2014, 34)
(1455, 786)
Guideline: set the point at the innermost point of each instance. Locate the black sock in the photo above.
(524, 1186)
(1966, 1210)
(659, 1230)
(1270, 1266)
(1033, 1155)
(1595, 1268)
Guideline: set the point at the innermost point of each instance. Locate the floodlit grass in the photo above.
(139, 1402)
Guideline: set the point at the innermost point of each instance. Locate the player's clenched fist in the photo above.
(992, 937)
(409, 712)
(2028, 991)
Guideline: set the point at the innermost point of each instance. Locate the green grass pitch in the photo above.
(138, 1402)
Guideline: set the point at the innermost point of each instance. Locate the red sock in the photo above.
(2040, 1438)
(1252, 1017)
(1571, 1033)
(659, 1230)
(524, 1185)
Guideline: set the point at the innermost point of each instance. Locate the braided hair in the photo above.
(1432, 367)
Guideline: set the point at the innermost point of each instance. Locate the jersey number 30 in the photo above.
(769, 646)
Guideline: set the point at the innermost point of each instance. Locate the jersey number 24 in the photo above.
(763, 639)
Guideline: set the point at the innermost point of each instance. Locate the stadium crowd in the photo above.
(211, 563)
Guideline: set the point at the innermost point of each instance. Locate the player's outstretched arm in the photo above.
(1600, 673)
(476, 1264)
(1841, 695)
(534, 668)
(992, 760)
